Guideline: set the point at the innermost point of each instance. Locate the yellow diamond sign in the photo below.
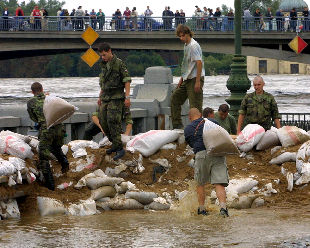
(90, 36)
(90, 57)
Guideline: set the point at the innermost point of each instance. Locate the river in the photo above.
(292, 92)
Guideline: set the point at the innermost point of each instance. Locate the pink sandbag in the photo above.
(249, 137)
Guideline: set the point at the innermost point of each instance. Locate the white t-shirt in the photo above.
(192, 53)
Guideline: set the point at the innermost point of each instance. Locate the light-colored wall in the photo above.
(275, 66)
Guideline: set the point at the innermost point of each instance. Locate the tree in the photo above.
(252, 5)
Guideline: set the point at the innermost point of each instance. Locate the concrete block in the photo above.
(9, 121)
(78, 117)
(151, 105)
(138, 113)
(158, 75)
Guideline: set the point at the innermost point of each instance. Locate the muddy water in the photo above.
(250, 228)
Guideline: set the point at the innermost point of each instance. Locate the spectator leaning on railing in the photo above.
(101, 19)
(305, 15)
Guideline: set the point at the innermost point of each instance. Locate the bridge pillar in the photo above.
(238, 82)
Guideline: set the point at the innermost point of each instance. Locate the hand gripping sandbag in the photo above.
(56, 110)
(217, 140)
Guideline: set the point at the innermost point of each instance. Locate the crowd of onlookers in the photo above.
(202, 19)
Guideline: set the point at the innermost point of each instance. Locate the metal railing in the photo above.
(301, 120)
(141, 23)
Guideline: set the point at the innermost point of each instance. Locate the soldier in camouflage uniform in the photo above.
(95, 127)
(51, 139)
(114, 78)
(258, 107)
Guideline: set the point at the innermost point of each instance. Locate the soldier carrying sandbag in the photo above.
(51, 139)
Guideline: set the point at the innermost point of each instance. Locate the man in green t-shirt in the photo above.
(226, 120)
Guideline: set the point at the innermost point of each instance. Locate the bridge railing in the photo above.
(141, 23)
(301, 120)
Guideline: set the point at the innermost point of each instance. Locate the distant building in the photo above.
(288, 5)
(272, 66)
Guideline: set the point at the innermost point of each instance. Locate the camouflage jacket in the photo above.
(112, 79)
(35, 109)
(259, 109)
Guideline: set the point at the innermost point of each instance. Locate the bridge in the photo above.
(271, 43)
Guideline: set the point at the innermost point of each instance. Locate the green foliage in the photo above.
(217, 64)
(138, 61)
(225, 9)
(261, 4)
(50, 5)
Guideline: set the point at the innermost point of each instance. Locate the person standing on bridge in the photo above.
(114, 79)
(258, 107)
(191, 82)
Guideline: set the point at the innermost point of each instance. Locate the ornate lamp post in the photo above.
(238, 82)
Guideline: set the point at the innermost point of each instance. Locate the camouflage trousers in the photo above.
(179, 96)
(111, 121)
(51, 141)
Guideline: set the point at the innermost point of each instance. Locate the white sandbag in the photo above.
(217, 140)
(249, 137)
(305, 174)
(290, 181)
(158, 206)
(169, 146)
(267, 190)
(9, 209)
(150, 142)
(24, 138)
(291, 135)
(6, 168)
(79, 153)
(275, 149)
(19, 178)
(162, 161)
(258, 202)
(30, 177)
(14, 146)
(124, 187)
(65, 149)
(56, 110)
(48, 206)
(84, 208)
(303, 155)
(119, 203)
(125, 138)
(34, 143)
(105, 142)
(77, 144)
(284, 157)
(18, 163)
(105, 191)
(96, 182)
(243, 202)
(142, 197)
(239, 186)
(269, 139)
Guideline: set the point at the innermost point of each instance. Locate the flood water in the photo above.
(292, 92)
(245, 228)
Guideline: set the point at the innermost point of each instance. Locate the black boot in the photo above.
(111, 150)
(48, 175)
(119, 154)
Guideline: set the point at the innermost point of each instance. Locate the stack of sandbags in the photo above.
(15, 146)
(56, 110)
(217, 140)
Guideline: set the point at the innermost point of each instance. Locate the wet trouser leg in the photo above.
(178, 98)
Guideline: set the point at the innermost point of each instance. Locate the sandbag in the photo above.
(56, 110)
(9, 209)
(249, 137)
(96, 182)
(291, 135)
(119, 203)
(49, 206)
(290, 181)
(158, 206)
(142, 197)
(105, 191)
(24, 138)
(239, 186)
(78, 144)
(217, 140)
(284, 157)
(243, 202)
(150, 142)
(303, 155)
(269, 139)
(305, 174)
(124, 187)
(6, 168)
(258, 202)
(84, 208)
(14, 146)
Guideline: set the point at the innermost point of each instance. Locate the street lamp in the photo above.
(238, 82)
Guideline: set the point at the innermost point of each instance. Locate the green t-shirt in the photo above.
(229, 124)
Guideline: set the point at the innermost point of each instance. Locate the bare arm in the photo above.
(240, 122)
(127, 94)
(95, 119)
(277, 123)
